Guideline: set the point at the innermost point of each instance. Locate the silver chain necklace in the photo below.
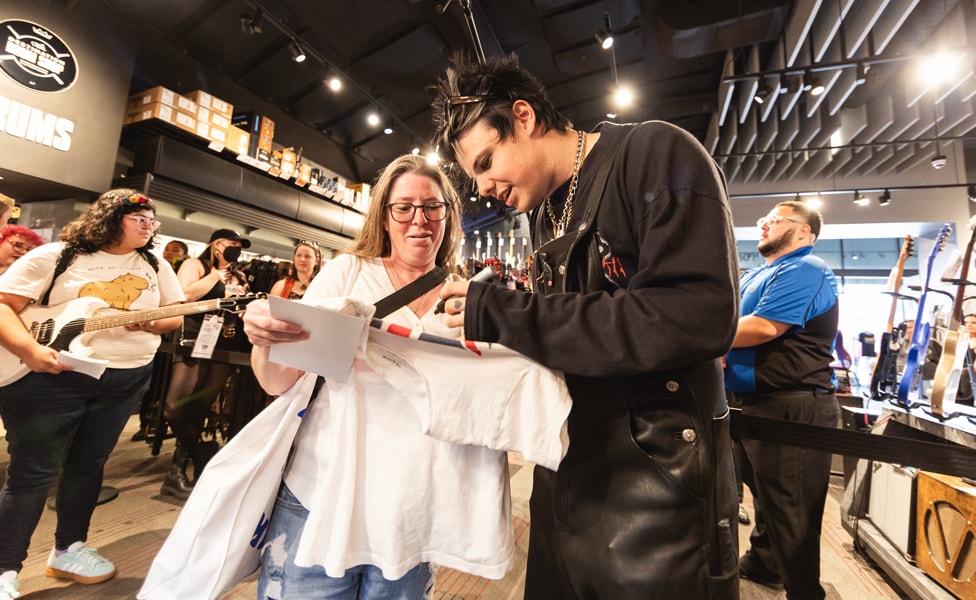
(559, 227)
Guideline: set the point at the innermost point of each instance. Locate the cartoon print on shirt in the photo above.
(119, 293)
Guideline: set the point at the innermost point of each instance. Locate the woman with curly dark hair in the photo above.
(62, 424)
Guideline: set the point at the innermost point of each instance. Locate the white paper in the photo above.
(93, 367)
(331, 347)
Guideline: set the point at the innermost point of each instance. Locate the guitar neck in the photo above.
(140, 316)
(894, 306)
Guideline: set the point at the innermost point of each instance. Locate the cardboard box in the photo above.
(214, 118)
(162, 112)
(261, 130)
(163, 95)
(212, 103)
(238, 140)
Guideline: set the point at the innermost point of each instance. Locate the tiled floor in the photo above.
(130, 529)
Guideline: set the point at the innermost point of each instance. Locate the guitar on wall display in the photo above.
(59, 327)
(885, 374)
(911, 378)
(947, 374)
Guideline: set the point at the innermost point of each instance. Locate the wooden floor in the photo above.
(130, 529)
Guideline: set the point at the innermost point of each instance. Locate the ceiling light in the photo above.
(247, 24)
(389, 128)
(623, 96)
(433, 158)
(788, 85)
(611, 115)
(605, 36)
(812, 84)
(939, 161)
(763, 93)
(334, 83)
(860, 199)
(297, 54)
(373, 119)
(971, 192)
(884, 199)
(861, 74)
(415, 151)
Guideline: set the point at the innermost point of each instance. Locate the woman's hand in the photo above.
(264, 330)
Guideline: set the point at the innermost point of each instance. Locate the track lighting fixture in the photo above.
(861, 74)
(297, 53)
(763, 93)
(971, 192)
(251, 25)
(605, 35)
(860, 199)
(388, 128)
(788, 85)
(884, 199)
(812, 84)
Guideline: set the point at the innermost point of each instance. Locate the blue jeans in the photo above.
(281, 579)
(60, 428)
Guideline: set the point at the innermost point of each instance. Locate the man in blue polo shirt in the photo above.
(779, 367)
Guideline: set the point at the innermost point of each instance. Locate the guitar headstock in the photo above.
(907, 248)
(236, 303)
(943, 238)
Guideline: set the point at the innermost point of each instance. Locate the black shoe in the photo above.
(743, 515)
(748, 569)
(139, 436)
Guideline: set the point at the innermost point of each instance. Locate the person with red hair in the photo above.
(16, 241)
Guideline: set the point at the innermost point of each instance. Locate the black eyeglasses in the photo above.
(403, 212)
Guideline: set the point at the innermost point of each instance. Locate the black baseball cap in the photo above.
(230, 234)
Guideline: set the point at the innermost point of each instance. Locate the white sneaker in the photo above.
(9, 585)
(81, 564)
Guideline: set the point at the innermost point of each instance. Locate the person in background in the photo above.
(16, 241)
(964, 395)
(195, 382)
(779, 367)
(644, 503)
(62, 425)
(175, 252)
(426, 501)
(308, 261)
(7, 205)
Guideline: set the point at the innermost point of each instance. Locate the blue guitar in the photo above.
(912, 376)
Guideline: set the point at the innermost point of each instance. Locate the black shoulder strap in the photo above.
(68, 254)
(409, 293)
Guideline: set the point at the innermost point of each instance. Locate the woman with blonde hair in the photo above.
(369, 503)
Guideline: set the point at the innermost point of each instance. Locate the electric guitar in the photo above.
(912, 376)
(885, 374)
(947, 374)
(59, 327)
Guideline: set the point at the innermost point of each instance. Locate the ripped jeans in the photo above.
(281, 579)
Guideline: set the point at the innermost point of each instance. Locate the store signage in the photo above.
(36, 58)
(35, 125)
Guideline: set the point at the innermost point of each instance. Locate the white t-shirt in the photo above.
(378, 490)
(123, 282)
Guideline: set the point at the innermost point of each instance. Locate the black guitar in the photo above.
(885, 374)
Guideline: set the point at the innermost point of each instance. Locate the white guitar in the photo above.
(59, 327)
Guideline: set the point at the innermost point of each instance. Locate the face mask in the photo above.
(231, 253)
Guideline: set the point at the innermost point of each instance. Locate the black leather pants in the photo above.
(644, 504)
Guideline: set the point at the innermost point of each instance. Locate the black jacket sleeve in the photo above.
(666, 221)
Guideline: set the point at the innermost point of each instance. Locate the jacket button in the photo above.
(672, 385)
(689, 435)
(562, 269)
